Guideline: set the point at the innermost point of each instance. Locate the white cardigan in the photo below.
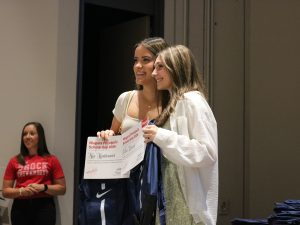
(192, 144)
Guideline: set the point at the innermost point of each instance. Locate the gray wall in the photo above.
(249, 53)
(38, 69)
(271, 101)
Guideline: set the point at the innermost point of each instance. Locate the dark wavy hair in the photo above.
(42, 145)
(154, 45)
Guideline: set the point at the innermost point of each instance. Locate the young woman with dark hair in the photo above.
(32, 178)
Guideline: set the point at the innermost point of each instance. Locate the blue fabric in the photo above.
(286, 213)
(283, 220)
(146, 188)
(282, 206)
(111, 195)
(294, 202)
(242, 221)
(289, 213)
(131, 201)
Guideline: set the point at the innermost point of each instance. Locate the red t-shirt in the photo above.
(38, 169)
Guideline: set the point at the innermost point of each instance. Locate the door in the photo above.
(116, 64)
(108, 33)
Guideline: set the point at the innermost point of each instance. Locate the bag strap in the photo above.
(127, 99)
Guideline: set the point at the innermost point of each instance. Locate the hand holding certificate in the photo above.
(115, 157)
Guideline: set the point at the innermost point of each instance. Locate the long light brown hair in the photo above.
(180, 63)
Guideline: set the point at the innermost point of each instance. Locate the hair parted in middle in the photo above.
(154, 45)
(42, 145)
(181, 65)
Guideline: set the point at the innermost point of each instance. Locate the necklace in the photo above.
(146, 104)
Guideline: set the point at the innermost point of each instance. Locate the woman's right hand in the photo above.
(105, 134)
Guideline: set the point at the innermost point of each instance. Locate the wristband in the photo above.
(45, 188)
(20, 191)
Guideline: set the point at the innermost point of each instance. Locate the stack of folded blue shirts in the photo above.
(285, 213)
(283, 220)
(287, 205)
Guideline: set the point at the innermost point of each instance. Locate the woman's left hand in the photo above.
(37, 187)
(149, 132)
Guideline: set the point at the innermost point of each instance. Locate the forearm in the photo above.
(56, 189)
(53, 189)
(12, 192)
(184, 151)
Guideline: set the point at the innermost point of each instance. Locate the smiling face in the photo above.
(31, 138)
(143, 65)
(162, 75)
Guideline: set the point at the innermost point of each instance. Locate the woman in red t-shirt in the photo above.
(32, 178)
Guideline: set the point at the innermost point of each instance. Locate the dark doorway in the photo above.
(107, 34)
